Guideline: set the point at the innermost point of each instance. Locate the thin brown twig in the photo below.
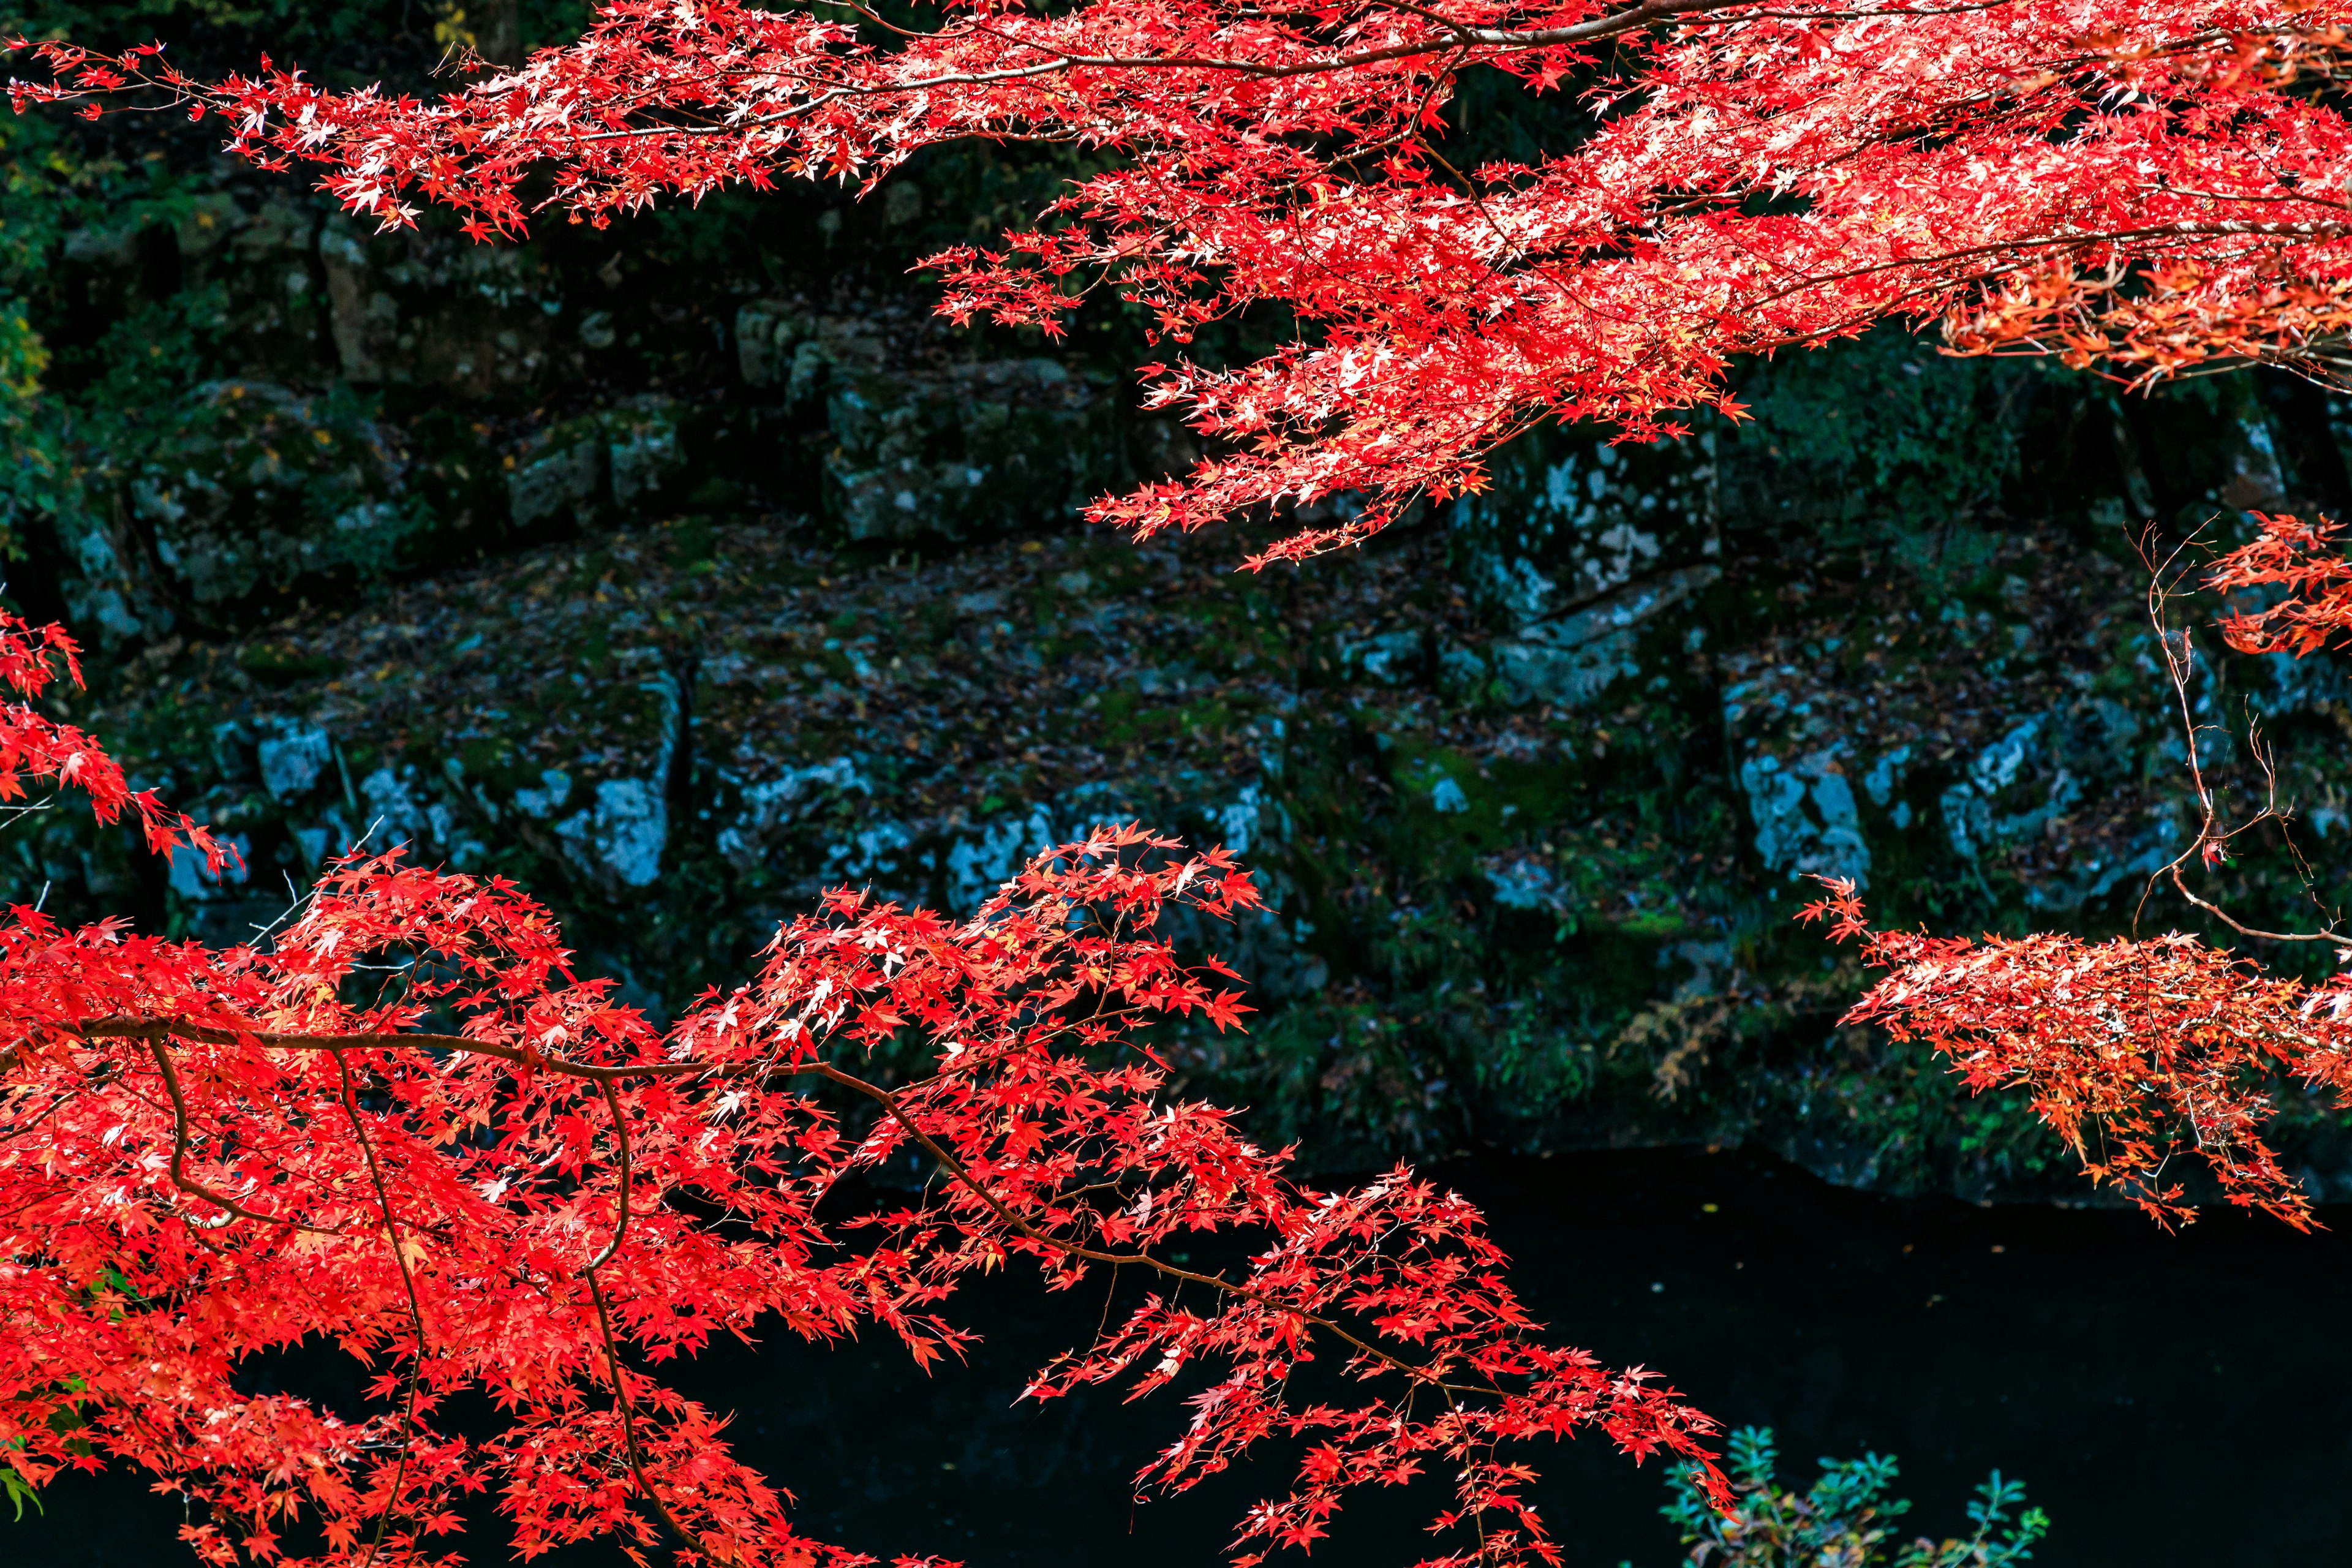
(621, 1142)
(189, 1184)
(625, 1405)
(157, 1029)
(415, 1310)
(1632, 19)
(2180, 652)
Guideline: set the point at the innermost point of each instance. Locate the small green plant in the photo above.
(21, 1486)
(17, 1490)
(1847, 1521)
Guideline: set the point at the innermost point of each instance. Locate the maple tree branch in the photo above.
(153, 1029)
(37, 1122)
(187, 1184)
(962, 1173)
(1873, 15)
(2185, 229)
(1457, 36)
(416, 1311)
(2340, 943)
(154, 1032)
(626, 1404)
(2180, 667)
(2289, 197)
(621, 1139)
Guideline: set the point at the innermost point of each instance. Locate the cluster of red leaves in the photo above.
(2305, 559)
(400, 1124)
(2136, 1053)
(2151, 185)
(36, 747)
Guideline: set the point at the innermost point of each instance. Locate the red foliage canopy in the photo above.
(401, 1123)
(204, 1154)
(2149, 184)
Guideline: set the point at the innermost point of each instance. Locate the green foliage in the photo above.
(35, 475)
(18, 1490)
(28, 462)
(1885, 427)
(1845, 1520)
(342, 45)
(14, 1484)
(53, 182)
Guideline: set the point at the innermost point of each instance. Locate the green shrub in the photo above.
(1846, 1520)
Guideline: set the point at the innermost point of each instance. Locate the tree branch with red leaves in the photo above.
(2305, 559)
(2143, 1053)
(2154, 188)
(2137, 1053)
(491, 1177)
(2150, 188)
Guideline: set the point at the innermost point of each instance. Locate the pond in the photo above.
(2169, 1399)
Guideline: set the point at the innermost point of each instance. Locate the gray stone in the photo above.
(554, 789)
(2012, 788)
(1571, 660)
(598, 466)
(642, 443)
(624, 832)
(1805, 817)
(559, 476)
(292, 763)
(766, 809)
(396, 815)
(973, 450)
(246, 486)
(1569, 518)
(1391, 658)
(768, 334)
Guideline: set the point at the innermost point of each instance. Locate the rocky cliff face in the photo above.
(681, 570)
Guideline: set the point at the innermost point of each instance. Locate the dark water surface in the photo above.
(2170, 1400)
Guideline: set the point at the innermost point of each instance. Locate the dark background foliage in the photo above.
(682, 568)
